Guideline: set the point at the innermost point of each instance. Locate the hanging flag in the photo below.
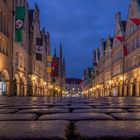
(49, 58)
(91, 69)
(49, 69)
(138, 4)
(55, 67)
(19, 15)
(55, 62)
(125, 51)
(135, 21)
(39, 48)
(120, 38)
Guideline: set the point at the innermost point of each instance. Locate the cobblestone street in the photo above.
(69, 118)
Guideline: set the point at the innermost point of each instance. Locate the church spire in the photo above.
(55, 54)
(61, 52)
(64, 68)
(60, 64)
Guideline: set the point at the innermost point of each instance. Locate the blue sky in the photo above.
(79, 25)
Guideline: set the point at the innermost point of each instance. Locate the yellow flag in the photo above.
(49, 58)
(49, 69)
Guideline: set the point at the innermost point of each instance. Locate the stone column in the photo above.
(18, 89)
(130, 89)
(117, 90)
(137, 89)
(8, 88)
(120, 91)
(25, 90)
(33, 89)
(125, 90)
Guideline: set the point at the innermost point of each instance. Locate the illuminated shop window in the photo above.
(2, 87)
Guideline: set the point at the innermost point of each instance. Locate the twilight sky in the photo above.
(79, 25)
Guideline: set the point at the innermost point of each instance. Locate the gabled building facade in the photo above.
(39, 51)
(20, 48)
(24, 51)
(132, 60)
(6, 41)
(118, 56)
(119, 62)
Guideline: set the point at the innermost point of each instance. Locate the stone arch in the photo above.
(6, 75)
(138, 79)
(5, 83)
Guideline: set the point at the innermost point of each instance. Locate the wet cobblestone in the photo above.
(69, 118)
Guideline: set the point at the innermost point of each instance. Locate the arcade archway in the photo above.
(4, 83)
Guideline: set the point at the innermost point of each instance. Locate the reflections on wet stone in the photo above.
(26, 115)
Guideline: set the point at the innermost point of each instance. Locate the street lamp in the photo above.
(121, 78)
(33, 78)
(45, 83)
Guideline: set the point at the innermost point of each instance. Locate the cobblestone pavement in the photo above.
(116, 118)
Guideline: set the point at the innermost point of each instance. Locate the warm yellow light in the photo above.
(56, 88)
(139, 71)
(49, 58)
(91, 89)
(33, 78)
(110, 82)
(121, 78)
(45, 83)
